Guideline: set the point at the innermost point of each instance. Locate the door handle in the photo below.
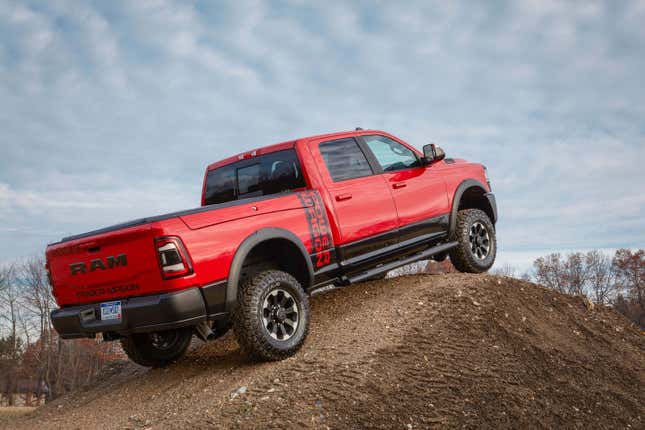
(398, 185)
(341, 197)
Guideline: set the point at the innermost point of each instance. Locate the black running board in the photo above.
(423, 255)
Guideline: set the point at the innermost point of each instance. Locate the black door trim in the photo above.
(391, 265)
(375, 248)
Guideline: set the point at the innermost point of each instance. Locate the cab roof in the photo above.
(287, 145)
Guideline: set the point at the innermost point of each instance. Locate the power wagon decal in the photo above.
(321, 240)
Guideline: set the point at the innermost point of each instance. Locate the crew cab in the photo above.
(274, 224)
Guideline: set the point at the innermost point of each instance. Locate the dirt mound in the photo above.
(414, 352)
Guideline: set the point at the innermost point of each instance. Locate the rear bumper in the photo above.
(138, 314)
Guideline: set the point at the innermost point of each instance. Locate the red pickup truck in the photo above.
(274, 224)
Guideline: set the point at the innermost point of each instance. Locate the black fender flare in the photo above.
(245, 248)
(463, 186)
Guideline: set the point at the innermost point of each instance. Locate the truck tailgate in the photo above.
(104, 266)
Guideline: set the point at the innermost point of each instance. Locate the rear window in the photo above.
(258, 176)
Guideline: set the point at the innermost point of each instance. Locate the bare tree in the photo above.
(9, 317)
(550, 271)
(37, 291)
(3, 278)
(601, 276)
(39, 302)
(576, 273)
(630, 274)
(9, 302)
(566, 275)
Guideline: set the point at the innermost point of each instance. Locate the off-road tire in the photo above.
(141, 348)
(463, 257)
(248, 322)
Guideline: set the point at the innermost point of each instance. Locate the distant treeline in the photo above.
(618, 281)
(35, 364)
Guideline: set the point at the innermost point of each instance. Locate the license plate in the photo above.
(111, 311)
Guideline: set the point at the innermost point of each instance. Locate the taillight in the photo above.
(173, 258)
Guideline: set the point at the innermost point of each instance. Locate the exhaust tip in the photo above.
(204, 331)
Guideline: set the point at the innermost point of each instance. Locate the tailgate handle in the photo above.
(398, 185)
(341, 197)
(90, 246)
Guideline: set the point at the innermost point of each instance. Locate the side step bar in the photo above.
(398, 263)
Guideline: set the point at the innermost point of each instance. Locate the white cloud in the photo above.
(105, 107)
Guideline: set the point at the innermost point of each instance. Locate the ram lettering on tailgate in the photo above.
(99, 264)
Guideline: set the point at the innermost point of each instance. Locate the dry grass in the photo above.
(14, 411)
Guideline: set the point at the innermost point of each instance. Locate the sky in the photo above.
(111, 111)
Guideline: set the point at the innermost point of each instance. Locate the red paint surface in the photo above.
(375, 205)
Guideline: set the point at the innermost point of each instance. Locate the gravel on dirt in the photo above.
(434, 351)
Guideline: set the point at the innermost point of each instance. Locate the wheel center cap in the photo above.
(281, 314)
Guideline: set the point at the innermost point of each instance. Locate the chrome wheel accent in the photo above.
(479, 240)
(280, 314)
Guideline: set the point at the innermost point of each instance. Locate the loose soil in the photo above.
(434, 351)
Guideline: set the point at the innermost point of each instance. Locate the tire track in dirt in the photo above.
(416, 352)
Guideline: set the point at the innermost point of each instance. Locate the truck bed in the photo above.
(148, 220)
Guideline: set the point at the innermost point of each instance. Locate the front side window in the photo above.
(344, 159)
(390, 154)
(258, 176)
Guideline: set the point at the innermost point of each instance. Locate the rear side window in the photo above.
(344, 159)
(258, 176)
(220, 185)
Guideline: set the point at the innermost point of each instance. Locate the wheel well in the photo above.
(279, 254)
(475, 198)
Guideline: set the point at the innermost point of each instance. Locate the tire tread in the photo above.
(245, 319)
(460, 256)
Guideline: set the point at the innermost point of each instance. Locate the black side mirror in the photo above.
(433, 153)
